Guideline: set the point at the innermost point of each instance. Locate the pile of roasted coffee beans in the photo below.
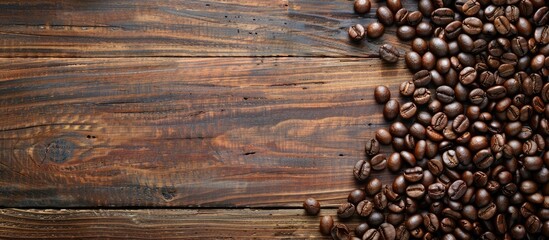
(470, 129)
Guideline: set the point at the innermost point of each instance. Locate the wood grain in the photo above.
(161, 224)
(144, 28)
(192, 132)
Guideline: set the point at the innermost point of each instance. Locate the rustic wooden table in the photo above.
(182, 119)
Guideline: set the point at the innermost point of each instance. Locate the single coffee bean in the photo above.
(362, 6)
(387, 231)
(346, 210)
(394, 162)
(422, 96)
(541, 34)
(457, 189)
(414, 174)
(406, 33)
(373, 187)
(413, 60)
(518, 231)
(380, 201)
(442, 16)
(541, 16)
(372, 146)
(506, 70)
(422, 78)
(445, 94)
(375, 30)
(326, 224)
(414, 221)
(472, 26)
(408, 110)
(340, 232)
(414, 18)
(311, 206)
(436, 191)
(415, 191)
(379, 162)
(428, 61)
(371, 234)
(435, 166)
(382, 94)
(438, 47)
(439, 121)
(383, 136)
(394, 5)
(450, 159)
(401, 16)
(467, 76)
(502, 24)
(356, 196)
(431, 223)
(487, 212)
(391, 109)
(375, 219)
(471, 8)
(385, 16)
(426, 7)
(357, 32)
(365, 208)
(361, 229)
(424, 29)
(483, 159)
(389, 53)
(533, 224)
(362, 170)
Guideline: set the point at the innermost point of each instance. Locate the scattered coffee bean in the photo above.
(311, 206)
(357, 32)
(362, 6)
(389, 53)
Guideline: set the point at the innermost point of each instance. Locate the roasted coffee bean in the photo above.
(541, 34)
(445, 94)
(533, 224)
(480, 179)
(406, 33)
(373, 187)
(346, 210)
(362, 170)
(356, 196)
(428, 61)
(391, 109)
(364, 208)
(439, 121)
(424, 29)
(413, 60)
(371, 234)
(372, 146)
(340, 232)
(422, 78)
(502, 24)
(382, 94)
(380, 201)
(375, 30)
(394, 162)
(389, 53)
(472, 26)
(375, 219)
(442, 16)
(385, 16)
(422, 96)
(414, 174)
(383, 136)
(450, 159)
(401, 16)
(457, 189)
(467, 76)
(326, 224)
(414, 221)
(415, 191)
(362, 6)
(379, 162)
(483, 159)
(414, 18)
(438, 47)
(357, 32)
(408, 110)
(394, 5)
(487, 212)
(311, 206)
(436, 191)
(387, 231)
(541, 16)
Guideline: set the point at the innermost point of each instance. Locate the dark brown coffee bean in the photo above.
(364, 208)
(311, 206)
(449, 159)
(391, 109)
(406, 33)
(414, 221)
(424, 29)
(467, 75)
(415, 191)
(372, 146)
(361, 229)
(533, 224)
(414, 18)
(483, 159)
(496, 92)
(362, 6)
(373, 187)
(431, 223)
(518, 231)
(438, 47)
(375, 219)
(422, 78)
(436, 191)
(470, 8)
(541, 16)
(413, 60)
(371, 234)
(340, 232)
(394, 5)
(357, 32)
(442, 16)
(362, 170)
(375, 30)
(408, 110)
(439, 121)
(487, 212)
(472, 26)
(326, 224)
(346, 210)
(422, 96)
(389, 53)
(457, 189)
(532, 163)
(401, 16)
(506, 70)
(512, 13)
(426, 7)
(356, 196)
(502, 24)
(428, 61)
(380, 201)
(414, 174)
(541, 34)
(436, 167)
(445, 94)
(387, 231)
(394, 162)
(379, 162)
(385, 16)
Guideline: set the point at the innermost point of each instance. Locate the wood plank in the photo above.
(215, 132)
(161, 224)
(119, 28)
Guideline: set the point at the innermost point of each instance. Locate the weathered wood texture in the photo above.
(161, 224)
(188, 132)
(52, 28)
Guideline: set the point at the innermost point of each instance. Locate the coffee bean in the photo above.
(470, 8)
(533, 224)
(512, 13)
(415, 191)
(414, 174)
(391, 109)
(422, 96)
(387, 231)
(541, 16)
(340, 232)
(394, 162)
(364, 208)
(436, 191)
(385, 16)
(422, 78)
(380, 201)
(438, 47)
(346, 210)
(414, 221)
(379, 162)
(431, 223)
(414, 18)
(362, 170)
(357, 32)
(406, 33)
(439, 121)
(442, 16)
(457, 189)
(424, 29)
(449, 159)
(326, 224)
(362, 6)
(472, 26)
(408, 110)
(311, 206)
(428, 61)
(389, 53)
(383, 136)
(401, 16)
(375, 30)
(541, 34)
(382, 94)
(467, 75)
(371, 234)
(487, 212)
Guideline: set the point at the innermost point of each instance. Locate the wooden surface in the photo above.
(140, 104)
